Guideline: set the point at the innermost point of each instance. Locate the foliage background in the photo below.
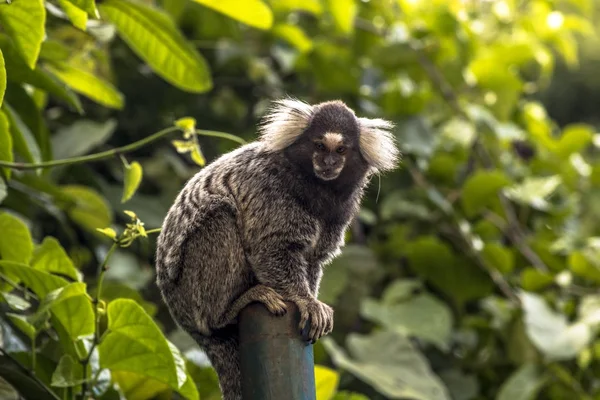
(472, 271)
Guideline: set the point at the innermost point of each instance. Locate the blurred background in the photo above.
(472, 271)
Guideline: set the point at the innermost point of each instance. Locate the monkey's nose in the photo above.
(330, 161)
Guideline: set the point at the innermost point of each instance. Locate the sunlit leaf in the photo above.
(534, 191)
(2, 78)
(24, 21)
(500, 257)
(77, 16)
(250, 12)
(523, 384)
(69, 372)
(88, 84)
(40, 282)
(156, 39)
(15, 302)
(311, 6)
(574, 139)
(343, 12)
(326, 382)
(294, 36)
(133, 178)
(23, 324)
(108, 232)
(533, 280)
(15, 240)
(88, 6)
(72, 307)
(380, 358)
(6, 146)
(51, 257)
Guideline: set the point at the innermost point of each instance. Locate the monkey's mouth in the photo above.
(327, 174)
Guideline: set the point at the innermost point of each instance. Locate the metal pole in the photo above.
(276, 363)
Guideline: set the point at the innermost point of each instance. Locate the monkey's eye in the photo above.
(320, 146)
(341, 150)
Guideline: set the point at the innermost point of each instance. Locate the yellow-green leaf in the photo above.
(15, 239)
(40, 282)
(188, 124)
(23, 324)
(153, 36)
(51, 257)
(250, 12)
(133, 177)
(24, 21)
(311, 6)
(89, 85)
(109, 232)
(198, 157)
(72, 307)
(343, 12)
(77, 16)
(88, 6)
(6, 147)
(326, 381)
(2, 78)
(87, 208)
(23, 140)
(294, 36)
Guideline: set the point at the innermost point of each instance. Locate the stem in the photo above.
(96, 301)
(222, 135)
(155, 230)
(33, 358)
(29, 373)
(92, 157)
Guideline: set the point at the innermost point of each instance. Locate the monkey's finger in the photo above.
(316, 326)
(303, 318)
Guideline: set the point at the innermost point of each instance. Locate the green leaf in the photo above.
(77, 16)
(27, 387)
(254, 13)
(343, 12)
(2, 78)
(24, 21)
(133, 177)
(51, 257)
(550, 332)
(40, 282)
(81, 137)
(294, 36)
(3, 190)
(108, 232)
(499, 257)
(18, 71)
(454, 275)
(534, 191)
(423, 316)
(15, 240)
(381, 358)
(6, 146)
(523, 384)
(584, 265)
(89, 209)
(460, 385)
(480, 190)
(326, 381)
(68, 372)
(23, 324)
(153, 36)
(23, 140)
(533, 280)
(88, 84)
(88, 6)
(575, 138)
(72, 307)
(135, 344)
(187, 124)
(311, 6)
(15, 302)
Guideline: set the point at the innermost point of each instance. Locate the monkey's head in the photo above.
(328, 141)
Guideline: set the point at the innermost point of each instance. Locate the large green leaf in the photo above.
(77, 16)
(454, 275)
(550, 331)
(343, 12)
(15, 239)
(40, 282)
(251, 12)
(88, 6)
(81, 137)
(51, 257)
(389, 362)
(88, 84)
(18, 71)
(326, 382)
(136, 344)
(72, 307)
(68, 372)
(480, 190)
(523, 384)
(24, 21)
(155, 38)
(422, 316)
(88, 208)
(6, 146)
(23, 140)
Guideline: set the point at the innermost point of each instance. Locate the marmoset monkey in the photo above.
(259, 223)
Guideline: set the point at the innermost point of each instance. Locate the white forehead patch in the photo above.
(332, 140)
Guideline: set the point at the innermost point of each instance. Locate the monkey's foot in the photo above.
(272, 300)
(319, 316)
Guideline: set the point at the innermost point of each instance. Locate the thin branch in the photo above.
(222, 135)
(155, 230)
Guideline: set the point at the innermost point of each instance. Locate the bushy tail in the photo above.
(222, 349)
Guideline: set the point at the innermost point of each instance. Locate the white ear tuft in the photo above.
(377, 144)
(284, 122)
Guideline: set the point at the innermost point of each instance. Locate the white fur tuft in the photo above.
(284, 122)
(377, 144)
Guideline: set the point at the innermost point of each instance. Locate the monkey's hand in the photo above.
(318, 315)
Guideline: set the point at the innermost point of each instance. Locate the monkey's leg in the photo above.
(259, 293)
(222, 349)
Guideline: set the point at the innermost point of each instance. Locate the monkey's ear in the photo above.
(377, 144)
(284, 122)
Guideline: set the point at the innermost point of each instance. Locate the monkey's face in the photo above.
(329, 156)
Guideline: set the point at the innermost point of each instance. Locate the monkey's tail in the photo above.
(222, 349)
